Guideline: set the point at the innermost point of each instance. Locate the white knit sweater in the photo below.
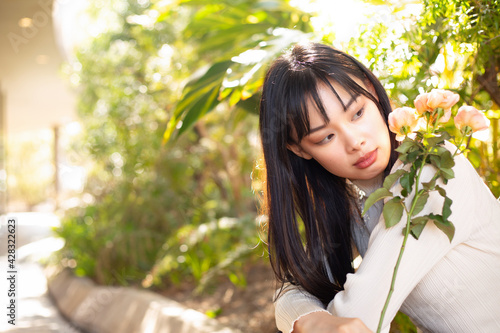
(441, 286)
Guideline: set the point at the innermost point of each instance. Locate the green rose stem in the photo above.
(403, 246)
(467, 132)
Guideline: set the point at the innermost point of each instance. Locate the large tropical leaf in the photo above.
(238, 39)
(199, 96)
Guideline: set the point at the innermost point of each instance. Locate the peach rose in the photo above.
(402, 121)
(469, 116)
(437, 98)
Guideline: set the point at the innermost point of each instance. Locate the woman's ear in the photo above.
(297, 150)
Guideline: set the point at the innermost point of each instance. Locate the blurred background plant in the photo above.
(146, 195)
(29, 184)
(169, 96)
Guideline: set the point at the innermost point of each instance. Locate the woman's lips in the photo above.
(366, 160)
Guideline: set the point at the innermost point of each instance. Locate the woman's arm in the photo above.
(294, 304)
(366, 290)
(299, 312)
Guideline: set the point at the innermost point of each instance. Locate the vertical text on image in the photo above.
(11, 271)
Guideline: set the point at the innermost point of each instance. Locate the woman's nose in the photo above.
(354, 140)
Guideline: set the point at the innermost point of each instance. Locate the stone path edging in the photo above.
(103, 309)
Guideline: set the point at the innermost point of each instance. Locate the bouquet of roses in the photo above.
(423, 137)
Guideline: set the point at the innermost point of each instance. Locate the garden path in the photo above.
(35, 311)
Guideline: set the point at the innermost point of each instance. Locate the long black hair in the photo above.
(302, 191)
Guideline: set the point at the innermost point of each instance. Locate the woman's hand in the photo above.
(324, 322)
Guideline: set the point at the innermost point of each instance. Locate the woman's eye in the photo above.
(359, 114)
(326, 140)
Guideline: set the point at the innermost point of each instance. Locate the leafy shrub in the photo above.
(206, 251)
(139, 192)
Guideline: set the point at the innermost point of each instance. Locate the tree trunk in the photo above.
(489, 81)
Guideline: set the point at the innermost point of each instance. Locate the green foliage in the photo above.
(402, 324)
(214, 313)
(200, 96)
(238, 40)
(141, 194)
(116, 239)
(393, 211)
(381, 193)
(204, 252)
(426, 148)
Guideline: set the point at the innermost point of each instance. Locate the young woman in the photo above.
(326, 144)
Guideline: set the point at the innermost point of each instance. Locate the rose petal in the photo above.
(421, 103)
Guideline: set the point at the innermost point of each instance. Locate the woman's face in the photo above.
(354, 144)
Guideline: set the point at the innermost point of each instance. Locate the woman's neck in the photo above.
(369, 185)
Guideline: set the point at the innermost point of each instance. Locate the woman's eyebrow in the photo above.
(316, 129)
(352, 100)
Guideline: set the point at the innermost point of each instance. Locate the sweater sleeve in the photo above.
(365, 291)
(294, 304)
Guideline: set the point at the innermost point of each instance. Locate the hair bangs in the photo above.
(304, 93)
(302, 90)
